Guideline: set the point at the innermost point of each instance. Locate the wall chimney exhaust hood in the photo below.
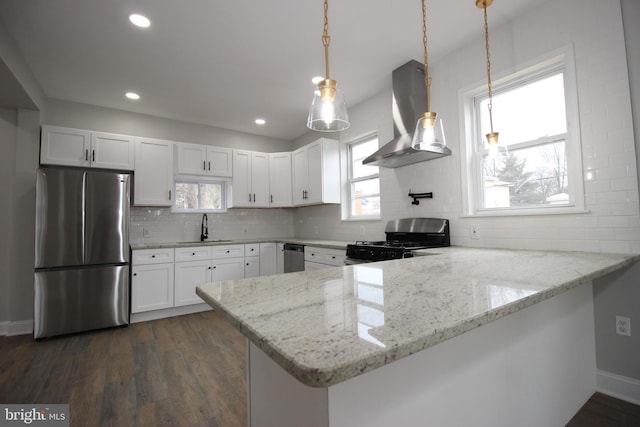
(409, 101)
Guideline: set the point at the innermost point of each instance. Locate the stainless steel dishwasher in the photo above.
(293, 257)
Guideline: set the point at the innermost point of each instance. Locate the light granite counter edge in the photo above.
(331, 244)
(315, 377)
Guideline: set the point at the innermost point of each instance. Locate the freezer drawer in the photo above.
(82, 299)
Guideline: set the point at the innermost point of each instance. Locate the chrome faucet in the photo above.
(204, 228)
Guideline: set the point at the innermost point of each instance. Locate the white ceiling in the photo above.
(227, 62)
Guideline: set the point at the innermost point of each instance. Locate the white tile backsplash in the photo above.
(157, 225)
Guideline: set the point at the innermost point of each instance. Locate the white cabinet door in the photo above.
(192, 159)
(260, 179)
(151, 287)
(314, 183)
(300, 175)
(252, 266)
(219, 161)
(112, 151)
(241, 184)
(64, 146)
(280, 179)
(188, 275)
(268, 259)
(227, 269)
(153, 181)
(250, 185)
(279, 258)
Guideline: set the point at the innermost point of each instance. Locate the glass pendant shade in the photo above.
(429, 133)
(328, 112)
(496, 150)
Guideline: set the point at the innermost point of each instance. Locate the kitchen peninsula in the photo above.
(459, 336)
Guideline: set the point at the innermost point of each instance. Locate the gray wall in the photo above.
(19, 134)
(619, 294)
(84, 116)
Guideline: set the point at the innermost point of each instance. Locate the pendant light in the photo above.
(495, 148)
(429, 133)
(328, 112)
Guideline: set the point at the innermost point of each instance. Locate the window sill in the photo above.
(528, 212)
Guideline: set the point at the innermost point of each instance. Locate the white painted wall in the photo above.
(8, 120)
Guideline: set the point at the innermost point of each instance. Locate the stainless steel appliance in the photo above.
(82, 250)
(293, 257)
(403, 237)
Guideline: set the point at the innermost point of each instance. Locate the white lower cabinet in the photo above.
(316, 258)
(152, 281)
(188, 275)
(227, 269)
(268, 259)
(252, 266)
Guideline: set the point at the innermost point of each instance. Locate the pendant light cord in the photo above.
(427, 79)
(326, 38)
(486, 40)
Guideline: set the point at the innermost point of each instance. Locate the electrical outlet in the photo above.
(623, 325)
(145, 232)
(473, 232)
(244, 230)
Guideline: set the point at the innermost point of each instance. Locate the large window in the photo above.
(199, 195)
(538, 167)
(364, 181)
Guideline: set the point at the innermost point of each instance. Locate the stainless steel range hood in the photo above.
(409, 102)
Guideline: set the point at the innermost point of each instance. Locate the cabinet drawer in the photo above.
(324, 255)
(193, 253)
(228, 251)
(151, 256)
(252, 249)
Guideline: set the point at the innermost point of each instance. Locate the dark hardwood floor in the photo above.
(182, 371)
(606, 411)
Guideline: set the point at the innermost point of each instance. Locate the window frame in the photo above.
(472, 147)
(183, 179)
(351, 181)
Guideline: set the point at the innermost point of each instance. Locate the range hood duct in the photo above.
(409, 102)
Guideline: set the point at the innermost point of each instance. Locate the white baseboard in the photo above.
(22, 327)
(168, 312)
(624, 388)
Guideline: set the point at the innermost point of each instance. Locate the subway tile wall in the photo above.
(159, 225)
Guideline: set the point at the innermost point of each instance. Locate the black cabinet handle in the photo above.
(272, 198)
(228, 251)
(169, 194)
(86, 154)
(247, 264)
(153, 256)
(204, 165)
(214, 267)
(209, 267)
(135, 274)
(249, 197)
(209, 165)
(193, 253)
(254, 197)
(93, 155)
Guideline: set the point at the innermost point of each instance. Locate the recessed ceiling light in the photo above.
(139, 20)
(260, 121)
(132, 95)
(317, 80)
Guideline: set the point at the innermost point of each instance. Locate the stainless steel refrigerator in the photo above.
(82, 250)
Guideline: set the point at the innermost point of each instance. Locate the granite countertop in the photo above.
(327, 326)
(332, 244)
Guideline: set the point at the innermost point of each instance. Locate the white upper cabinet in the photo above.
(77, 147)
(153, 180)
(316, 173)
(250, 186)
(196, 159)
(280, 180)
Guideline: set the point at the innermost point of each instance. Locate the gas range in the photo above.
(403, 237)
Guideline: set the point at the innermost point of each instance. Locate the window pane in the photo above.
(359, 152)
(186, 195)
(527, 112)
(370, 186)
(366, 206)
(210, 196)
(535, 176)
